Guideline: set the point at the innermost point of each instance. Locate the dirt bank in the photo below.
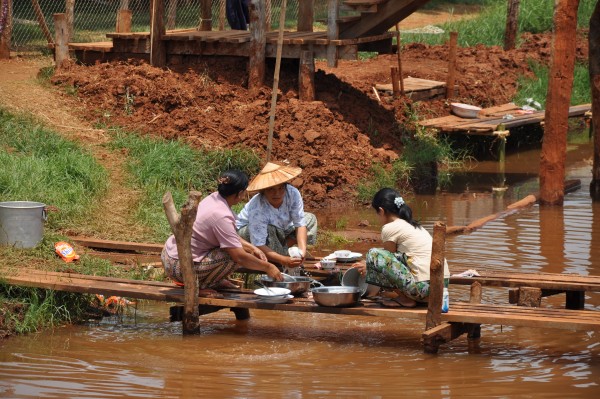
(334, 139)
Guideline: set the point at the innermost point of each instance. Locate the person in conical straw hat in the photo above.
(274, 219)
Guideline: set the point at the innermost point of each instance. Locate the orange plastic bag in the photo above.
(65, 251)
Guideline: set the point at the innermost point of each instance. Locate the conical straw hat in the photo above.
(273, 174)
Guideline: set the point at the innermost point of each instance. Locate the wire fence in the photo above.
(92, 19)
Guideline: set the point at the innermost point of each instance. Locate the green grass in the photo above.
(39, 165)
(535, 16)
(158, 166)
(537, 87)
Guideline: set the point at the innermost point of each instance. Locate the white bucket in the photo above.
(21, 223)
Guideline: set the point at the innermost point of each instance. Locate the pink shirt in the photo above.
(214, 227)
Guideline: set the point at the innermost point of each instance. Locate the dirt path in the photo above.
(21, 92)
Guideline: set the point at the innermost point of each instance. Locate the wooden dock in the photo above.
(491, 118)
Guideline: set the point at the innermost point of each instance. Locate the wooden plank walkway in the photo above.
(164, 291)
(490, 118)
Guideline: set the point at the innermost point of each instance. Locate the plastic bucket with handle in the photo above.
(22, 223)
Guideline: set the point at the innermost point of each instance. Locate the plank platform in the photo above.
(164, 291)
(490, 118)
(417, 89)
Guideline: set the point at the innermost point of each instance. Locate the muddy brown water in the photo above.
(289, 355)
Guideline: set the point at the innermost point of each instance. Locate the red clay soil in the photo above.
(334, 139)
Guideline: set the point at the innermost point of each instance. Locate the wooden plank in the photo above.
(117, 245)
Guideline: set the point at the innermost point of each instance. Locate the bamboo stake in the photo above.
(276, 79)
(399, 60)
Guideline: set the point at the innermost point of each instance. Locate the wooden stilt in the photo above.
(205, 15)
(305, 15)
(306, 79)
(258, 43)
(61, 32)
(123, 21)
(554, 146)
(594, 66)
(181, 226)
(451, 64)
(398, 48)
(512, 25)
(332, 32)
(436, 277)
(158, 51)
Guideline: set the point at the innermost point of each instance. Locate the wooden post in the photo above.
(398, 48)
(5, 28)
(395, 82)
(276, 79)
(222, 14)
(332, 32)
(61, 31)
(158, 50)
(512, 25)
(474, 330)
(436, 276)
(594, 66)
(39, 15)
(554, 146)
(268, 12)
(205, 15)
(70, 11)
(306, 78)
(171, 14)
(124, 5)
(451, 64)
(181, 225)
(123, 21)
(258, 45)
(501, 136)
(306, 15)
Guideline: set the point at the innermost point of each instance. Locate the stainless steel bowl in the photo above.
(336, 296)
(298, 285)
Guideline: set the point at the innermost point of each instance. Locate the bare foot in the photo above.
(404, 300)
(209, 293)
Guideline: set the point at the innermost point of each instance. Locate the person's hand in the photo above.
(361, 266)
(259, 254)
(293, 262)
(274, 273)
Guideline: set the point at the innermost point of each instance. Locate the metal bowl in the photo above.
(298, 285)
(336, 296)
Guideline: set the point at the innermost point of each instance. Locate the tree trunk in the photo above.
(594, 60)
(560, 84)
(512, 25)
(181, 225)
(5, 28)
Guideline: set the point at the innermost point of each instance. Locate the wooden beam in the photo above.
(158, 50)
(61, 31)
(554, 145)
(258, 44)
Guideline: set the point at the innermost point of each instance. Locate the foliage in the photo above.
(158, 166)
(39, 165)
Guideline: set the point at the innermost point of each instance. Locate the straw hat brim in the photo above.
(272, 175)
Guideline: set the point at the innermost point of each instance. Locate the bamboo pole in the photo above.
(399, 45)
(39, 15)
(554, 145)
(276, 79)
(181, 225)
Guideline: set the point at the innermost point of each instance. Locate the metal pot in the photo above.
(336, 296)
(296, 284)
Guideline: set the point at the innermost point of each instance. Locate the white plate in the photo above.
(275, 299)
(353, 256)
(272, 292)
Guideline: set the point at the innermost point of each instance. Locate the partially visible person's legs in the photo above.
(311, 231)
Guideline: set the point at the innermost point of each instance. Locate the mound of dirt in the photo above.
(334, 139)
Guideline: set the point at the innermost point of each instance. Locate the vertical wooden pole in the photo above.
(171, 14)
(70, 11)
(398, 49)
(123, 21)
(306, 15)
(395, 82)
(451, 64)
(594, 66)
(39, 15)
(474, 330)
(276, 79)
(222, 14)
(5, 28)
(205, 15)
(124, 5)
(306, 79)
(61, 32)
(332, 32)
(436, 276)
(554, 146)
(158, 51)
(512, 25)
(258, 44)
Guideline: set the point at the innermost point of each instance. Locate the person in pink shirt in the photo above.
(217, 250)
